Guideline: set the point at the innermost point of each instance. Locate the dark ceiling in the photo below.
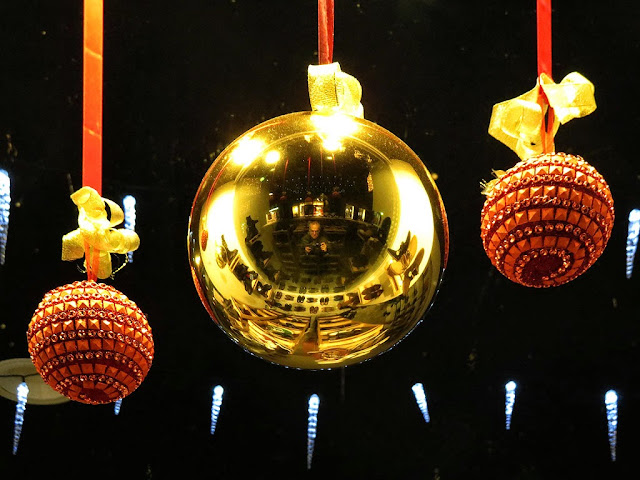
(182, 81)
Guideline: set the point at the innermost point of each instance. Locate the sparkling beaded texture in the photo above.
(90, 342)
(547, 220)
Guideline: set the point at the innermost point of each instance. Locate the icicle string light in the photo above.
(510, 400)
(215, 406)
(632, 239)
(421, 400)
(116, 407)
(5, 204)
(129, 204)
(22, 393)
(611, 402)
(312, 428)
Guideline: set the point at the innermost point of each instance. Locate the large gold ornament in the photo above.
(317, 240)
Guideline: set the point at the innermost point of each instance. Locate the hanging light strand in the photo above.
(510, 400)
(312, 427)
(129, 205)
(421, 400)
(5, 205)
(632, 239)
(611, 404)
(22, 393)
(216, 403)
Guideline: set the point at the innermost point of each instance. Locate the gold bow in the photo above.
(332, 91)
(95, 238)
(519, 122)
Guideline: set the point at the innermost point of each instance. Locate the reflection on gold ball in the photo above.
(317, 241)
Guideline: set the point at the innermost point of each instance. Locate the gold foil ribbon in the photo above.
(519, 122)
(95, 237)
(332, 91)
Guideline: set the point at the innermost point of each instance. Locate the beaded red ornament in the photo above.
(547, 220)
(90, 342)
(87, 340)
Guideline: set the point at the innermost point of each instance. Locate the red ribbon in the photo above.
(325, 31)
(92, 112)
(92, 95)
(543, 14)
(543, 11)
(92, 261)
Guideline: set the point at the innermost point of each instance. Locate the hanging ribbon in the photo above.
(519, 122)
(95, 239)
(543, 23)
(92, 95)
(325, 31)
(330, 89)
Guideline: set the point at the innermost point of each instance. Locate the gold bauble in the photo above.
(307, 299)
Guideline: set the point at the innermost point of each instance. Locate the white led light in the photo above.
(611, 402)
(314, 406)
(116, 407)
(632, 239)
(510, 400)
(129, 204)
(5, 203)
(421, 400)
(215, 406)
(22, 393)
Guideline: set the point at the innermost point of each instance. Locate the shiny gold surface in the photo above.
(366, 279)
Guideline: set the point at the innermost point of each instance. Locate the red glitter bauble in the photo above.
(547, 220)
(90, 342)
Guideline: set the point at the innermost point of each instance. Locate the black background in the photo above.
(182, 81)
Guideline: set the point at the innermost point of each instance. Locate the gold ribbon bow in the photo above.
(95, 239)
(332, 91)
(519, 122)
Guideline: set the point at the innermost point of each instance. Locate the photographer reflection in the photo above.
(314, 241)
